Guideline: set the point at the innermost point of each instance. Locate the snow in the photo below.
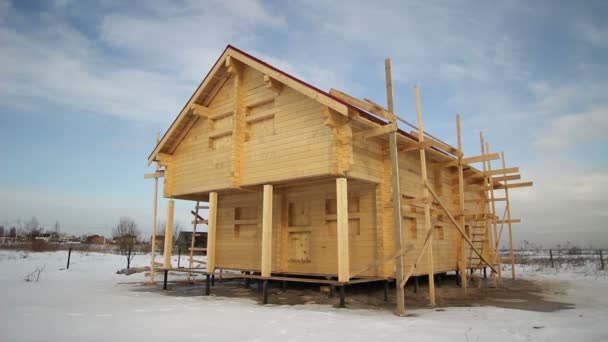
(88, 303)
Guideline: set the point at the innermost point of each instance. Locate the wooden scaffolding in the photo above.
(475, 220)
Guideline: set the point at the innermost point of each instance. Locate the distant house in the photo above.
(95, 239)
(46, 237)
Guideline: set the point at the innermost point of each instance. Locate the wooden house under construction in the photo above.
(297, 183)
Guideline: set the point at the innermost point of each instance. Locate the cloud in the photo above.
(566, 203)
(116, 66)
(570, 130)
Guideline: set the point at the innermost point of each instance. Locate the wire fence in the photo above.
(557, 258)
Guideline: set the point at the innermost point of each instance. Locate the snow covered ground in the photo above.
(87, 303)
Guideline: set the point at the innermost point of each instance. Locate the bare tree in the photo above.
(32, 228)
(126, 235)
(12, 233)
(177, 228)
(56, 228)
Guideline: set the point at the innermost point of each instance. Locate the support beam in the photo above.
(154, 214)
(169, 234)
(462, 233)
(342, 227)
(211, 231)
(425, 194)
(497, 235)
(396, 191)
(509, 221)
(267, 231)
(239, 122)
(489, 241)
(462, 203)
(273, 84)
(199, 110)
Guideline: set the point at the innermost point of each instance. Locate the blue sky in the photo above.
(84, 87)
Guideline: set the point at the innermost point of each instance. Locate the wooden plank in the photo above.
(376, 131)
(476, 159)
(169, 234)
(267, 231)
(505, 178)
(267, 114)
(156, 174)
(425, 194)
(212, 231)
(513, 185)
(508, 221)
(342, 229)
(502, 171)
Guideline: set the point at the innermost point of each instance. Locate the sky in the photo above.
(86, 85)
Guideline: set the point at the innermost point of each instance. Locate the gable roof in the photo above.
(216, 78)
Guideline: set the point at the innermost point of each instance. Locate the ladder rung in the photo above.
(202, 207)
(197, 249)
(199, 222)
(496, 199)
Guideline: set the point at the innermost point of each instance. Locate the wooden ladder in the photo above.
(478, 237)
(195, 222)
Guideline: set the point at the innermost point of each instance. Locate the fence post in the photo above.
(601, 259)
(551, 256)
(70, 254)
(179, 255)
(129, 258)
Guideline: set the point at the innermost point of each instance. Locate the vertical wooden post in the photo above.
(153, 251)
(426, 196)
(601, 259)
(463, 259)
(192, 241)
(551, 258)
(67, 267)
(169, 234)
(497, 235)
(342, 215)
(487, 207)
(509, 225)
(166, 275)
(211, 231)
(397, 218)
(267, 231)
